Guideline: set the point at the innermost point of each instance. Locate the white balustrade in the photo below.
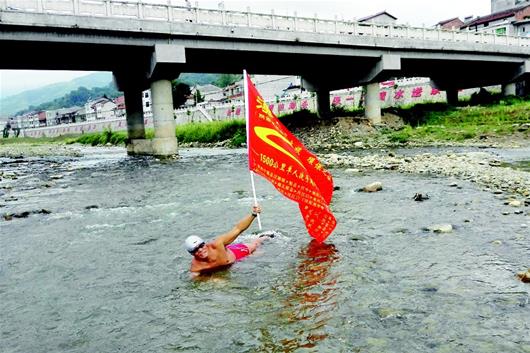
(22, 5)
(57, 6)
(165, 11)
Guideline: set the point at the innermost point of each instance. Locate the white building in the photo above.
(271, 87)
(501, 5)
(514, 21)
(147, 104)
(209, 93)
(382, 18)
(100, 109)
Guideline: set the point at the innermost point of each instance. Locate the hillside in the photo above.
(50, 96)
(12, 104)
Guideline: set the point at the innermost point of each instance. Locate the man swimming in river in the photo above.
(220, 252)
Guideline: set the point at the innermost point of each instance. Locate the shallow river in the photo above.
(106, 271)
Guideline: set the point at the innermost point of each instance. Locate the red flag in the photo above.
(278, 156)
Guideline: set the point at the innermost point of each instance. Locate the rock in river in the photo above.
(524, 276)
(373, 187)
(441, 228)
(420, 197)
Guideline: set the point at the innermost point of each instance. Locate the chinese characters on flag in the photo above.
(278, 156)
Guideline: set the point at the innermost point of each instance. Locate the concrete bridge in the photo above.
(147, 45)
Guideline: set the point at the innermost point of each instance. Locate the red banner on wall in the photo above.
(278, 156)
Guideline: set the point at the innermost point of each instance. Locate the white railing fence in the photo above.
(168, 12)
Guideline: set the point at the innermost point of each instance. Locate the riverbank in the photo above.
(347, 133)
(45, 149)
(483, 168)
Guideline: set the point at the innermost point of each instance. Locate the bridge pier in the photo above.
(452, 96)
(509, 89)
(132, 87)
(165, 142)
(136, 144)
(372, 105)
(323, 103)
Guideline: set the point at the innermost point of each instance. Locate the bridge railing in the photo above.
(168, 12)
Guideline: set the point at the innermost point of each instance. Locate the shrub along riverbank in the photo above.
(232, 131)
(431, 123)
(422, 124)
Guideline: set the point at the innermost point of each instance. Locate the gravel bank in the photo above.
(25, 150)
(479, 167)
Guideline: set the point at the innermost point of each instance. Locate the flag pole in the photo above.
(247, 117)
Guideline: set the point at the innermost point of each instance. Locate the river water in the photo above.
(105, 270)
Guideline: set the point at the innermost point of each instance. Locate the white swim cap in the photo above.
(192, 243)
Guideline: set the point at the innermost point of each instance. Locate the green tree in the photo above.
(227, 79)
(181, 92)
(198, 97)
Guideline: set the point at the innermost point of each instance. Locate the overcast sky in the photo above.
(413, 12)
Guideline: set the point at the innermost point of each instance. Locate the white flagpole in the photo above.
(247, 117)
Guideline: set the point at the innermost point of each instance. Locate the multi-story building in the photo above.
(41, 118)
(51, 117)
(146, 103)
(120, 106)
(68, 115)
(101, 108)
(381, 18)
(502, 5)
(451, 24)
(508, 18)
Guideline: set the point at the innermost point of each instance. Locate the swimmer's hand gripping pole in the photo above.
(247, 112)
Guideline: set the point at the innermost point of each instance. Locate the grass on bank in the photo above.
(213, 131)
(209, 132)
(440, 122)
(103, 138)
(426, 122)
(38, 141)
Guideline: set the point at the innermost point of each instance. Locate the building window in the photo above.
(146, 95)
(501, 31)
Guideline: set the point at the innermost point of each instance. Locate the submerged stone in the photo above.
(524, 276)
(420, 197)
(441, 228)
(373, 187)
(515, 203)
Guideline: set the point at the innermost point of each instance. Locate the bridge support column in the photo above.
(137, 144)
(165, 141)
(132, 85)
(323, 104)
(452, 97)
(372, 105)
(509, 89)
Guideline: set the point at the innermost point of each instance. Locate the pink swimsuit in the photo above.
(239, 250)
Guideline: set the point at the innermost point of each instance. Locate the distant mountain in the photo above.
(219, 80)
(50, 93)
(12, 104)
(193, 79)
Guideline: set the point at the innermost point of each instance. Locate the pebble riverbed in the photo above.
(484, 168)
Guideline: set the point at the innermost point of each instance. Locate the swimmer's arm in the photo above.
(239, 228)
